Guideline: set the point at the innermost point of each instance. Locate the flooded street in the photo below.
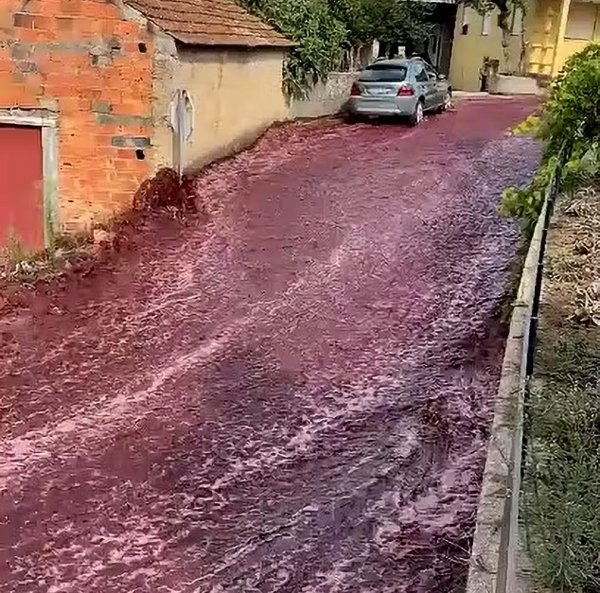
(292, 397)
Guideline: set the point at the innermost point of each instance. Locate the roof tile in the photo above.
(210, 22)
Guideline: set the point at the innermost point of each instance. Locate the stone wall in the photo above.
(326, 98)
(90, 63)
(503, 84)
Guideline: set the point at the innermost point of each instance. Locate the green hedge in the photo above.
(570, 132)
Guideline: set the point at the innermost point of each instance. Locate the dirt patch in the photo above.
(562, 484)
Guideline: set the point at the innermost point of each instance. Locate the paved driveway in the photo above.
(294, 397)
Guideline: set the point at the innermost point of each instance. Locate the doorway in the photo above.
(21, 188)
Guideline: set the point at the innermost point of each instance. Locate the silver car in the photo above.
(399, 87)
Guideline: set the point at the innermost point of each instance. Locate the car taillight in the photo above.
(406, 91)
(355, 91)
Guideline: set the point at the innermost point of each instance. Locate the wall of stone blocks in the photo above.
(325, 98)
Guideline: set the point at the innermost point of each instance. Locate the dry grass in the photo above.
(163, 194)
(20, 265)
(562, 479)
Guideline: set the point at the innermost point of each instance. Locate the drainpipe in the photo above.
(560, 37)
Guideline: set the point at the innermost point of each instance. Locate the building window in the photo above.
(486, 24)
(464, 24)
(517, 22)
(582, 21)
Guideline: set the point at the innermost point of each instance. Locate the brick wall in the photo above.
(90, 61)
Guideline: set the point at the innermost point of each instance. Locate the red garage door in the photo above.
(21, 187)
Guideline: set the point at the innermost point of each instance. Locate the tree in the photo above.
(391, 22)
(319, 38)
(324, 29)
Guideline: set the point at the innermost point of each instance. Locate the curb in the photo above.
(479, 96)
(494, 554)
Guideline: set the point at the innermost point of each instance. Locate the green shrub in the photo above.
(570, 133)
(526, 204)
(530, 126)
(572, 112)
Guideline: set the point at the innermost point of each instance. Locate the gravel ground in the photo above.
(293, 397)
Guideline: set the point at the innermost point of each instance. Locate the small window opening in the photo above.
(486, 24)
(464, 25)
(143, 48)
(140, 154)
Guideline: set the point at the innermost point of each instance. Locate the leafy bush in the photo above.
(526, 204)
(570, 132)
(572, 113)
(530, 126)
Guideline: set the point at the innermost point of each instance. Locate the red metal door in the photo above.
(21, 187)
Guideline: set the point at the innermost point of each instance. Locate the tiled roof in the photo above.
(210, 22)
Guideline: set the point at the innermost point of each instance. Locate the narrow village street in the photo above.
(293, 395)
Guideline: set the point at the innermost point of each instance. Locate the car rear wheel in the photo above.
(353, 118)
(417, 117)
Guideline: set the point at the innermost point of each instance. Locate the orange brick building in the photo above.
(85, 100)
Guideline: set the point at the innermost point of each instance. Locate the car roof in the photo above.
(397, 62)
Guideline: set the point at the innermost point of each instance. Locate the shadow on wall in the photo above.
(325, 98)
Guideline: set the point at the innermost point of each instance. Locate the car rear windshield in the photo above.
(383, 73)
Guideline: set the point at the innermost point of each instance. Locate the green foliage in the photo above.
(323, 29)
(357, 21)
(530, 126)
(562, 473)
(525, 204)
(562, 506)
(570, 132)
(408, 22)
(388, 21)
(319, 38)
(572, 113)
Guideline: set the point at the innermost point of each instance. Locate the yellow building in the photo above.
(554, 30)
(560, 28)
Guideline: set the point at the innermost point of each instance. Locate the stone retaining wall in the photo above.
(325, 98)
